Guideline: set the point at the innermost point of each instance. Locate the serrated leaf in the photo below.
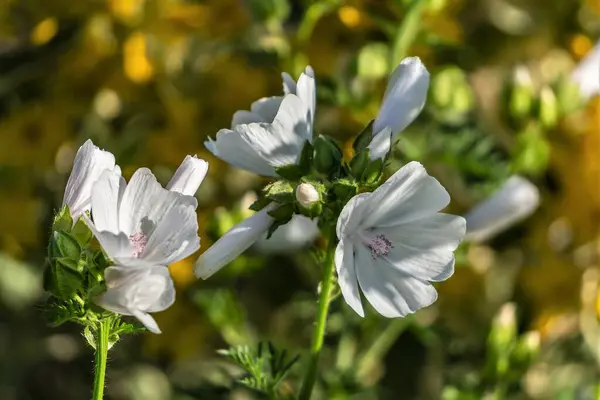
(290, 172)
(280, 192)
(67, 245)
(364, 138)
(62, 220)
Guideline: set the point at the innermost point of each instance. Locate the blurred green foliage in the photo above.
(149, 80)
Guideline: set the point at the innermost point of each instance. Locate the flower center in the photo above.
(380, 246)
(138, 242)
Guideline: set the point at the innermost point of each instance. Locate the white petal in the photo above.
(115, 245)
(231, 148)
(266, 108)
(408, 195)
(145, 203)
(380, 144)
(344, 263)
(352, 215)
(514, 201)
(289, 84)
(281, 142)
(404, 97)
(188, 177)
(296, 234)
(106, 195)
(306, 91)
(89, 163)
(175, 237)
(424, 248)
(390, 292)
(587, 73)
(245, 117)
(237, 240)
(148, 321)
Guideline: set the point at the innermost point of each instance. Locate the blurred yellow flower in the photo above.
(350, 16)
(580, 45)
(136, 64)
(44, 31)
(129, 11)
(182, 272)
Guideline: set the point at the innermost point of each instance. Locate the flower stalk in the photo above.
(321, 320)
(102, 334)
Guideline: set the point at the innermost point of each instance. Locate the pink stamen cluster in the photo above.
(380, 246)
(138, 242)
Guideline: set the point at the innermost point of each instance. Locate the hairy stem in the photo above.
(101, 355)
(321, 321)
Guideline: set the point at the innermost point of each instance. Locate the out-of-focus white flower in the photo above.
(234, 242)
(274, 131)
(394, 241)
(306, 194)
(587, 73)
(188, 177)
(138, 292)
(296, 234)
(514, 201)
(141, 223)
(90, 163)
(403, 100)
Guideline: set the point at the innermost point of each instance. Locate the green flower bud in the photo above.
(327, 155)
(521, 94)
(527, 348)
(452, 96)
(532, 151)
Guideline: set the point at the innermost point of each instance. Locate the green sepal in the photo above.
(82, 233)
(283, 212)
(68, 281)
(344, 189)
(280, 192)
(276, 225)
(67, 245)
(259, 204)
(359, 163)
(76, 266)
(306, 158)
(373, 171)
(290, 172)
(63, 220)
(89, 336)
(364, 138)
(313, 211)
(327, 155)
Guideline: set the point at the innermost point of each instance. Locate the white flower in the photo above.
(306, 194)
(274, 131)
(587, 73)
(137, 292)
(515, 200)
(141, 223)
(296, 234)
(403, 100)
(394, 241)
(189, 176)
(90, 162)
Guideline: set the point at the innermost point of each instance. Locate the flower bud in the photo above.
(548, 111)
(306, 194)
(522, 93)
(327, 154)
(504, 328)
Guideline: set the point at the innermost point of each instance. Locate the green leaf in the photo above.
(359, 164)
(67, 245)
(50, 284)
(89, 336)
(280, 192)
(290, 172)
(82, 233)
(69, 263)
(364, 138)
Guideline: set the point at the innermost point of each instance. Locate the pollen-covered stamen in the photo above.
(380, 246)
(138, 242)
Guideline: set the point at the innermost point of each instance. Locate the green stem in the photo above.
(319, 331)
(101, 355)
